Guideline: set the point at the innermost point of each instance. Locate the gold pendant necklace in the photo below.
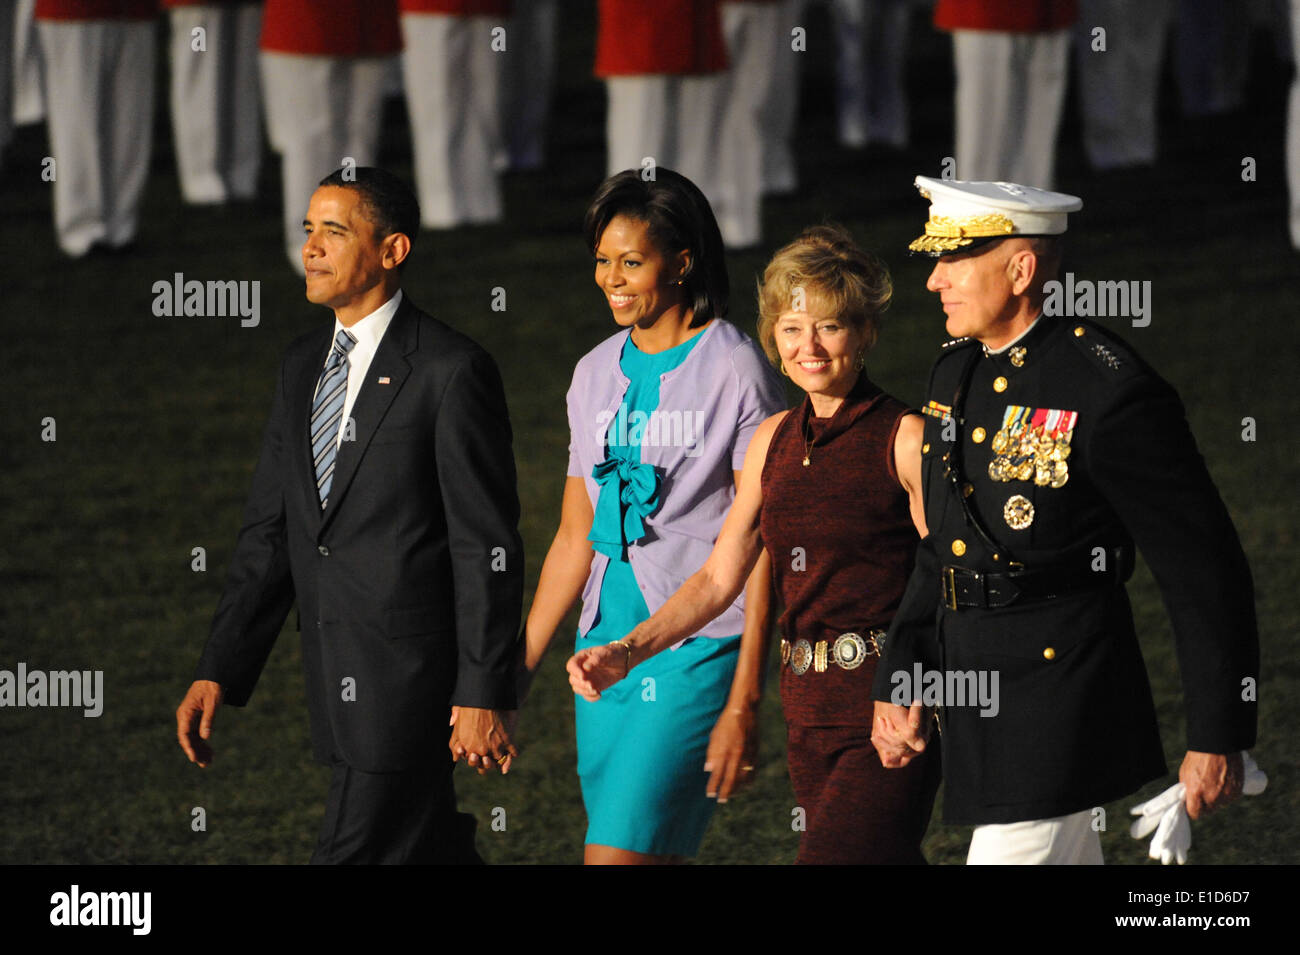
(808, 445)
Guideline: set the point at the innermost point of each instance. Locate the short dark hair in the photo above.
(678, 217)
(386, 200)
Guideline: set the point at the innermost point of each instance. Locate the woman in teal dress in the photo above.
(660, 416)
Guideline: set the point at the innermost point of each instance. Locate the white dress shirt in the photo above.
(368, 331)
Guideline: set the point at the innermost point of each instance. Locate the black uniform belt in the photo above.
(963, 589)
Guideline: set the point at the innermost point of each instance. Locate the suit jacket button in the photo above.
(1049, 654)
(323, 550)
(959, 547)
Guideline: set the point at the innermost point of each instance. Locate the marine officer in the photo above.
(1051, 450)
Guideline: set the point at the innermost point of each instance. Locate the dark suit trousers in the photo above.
(394, 819)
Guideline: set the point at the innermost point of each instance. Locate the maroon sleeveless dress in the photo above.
(842, 544)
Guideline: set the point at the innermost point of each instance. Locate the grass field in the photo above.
(159, 420)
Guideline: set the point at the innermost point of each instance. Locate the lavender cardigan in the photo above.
(709, 407)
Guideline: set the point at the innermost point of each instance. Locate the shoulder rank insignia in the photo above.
(1108, 357)
(936, 410)
(1033, 444)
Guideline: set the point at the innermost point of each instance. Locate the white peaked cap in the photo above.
(963, 214)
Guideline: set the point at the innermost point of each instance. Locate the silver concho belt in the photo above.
(848, 651)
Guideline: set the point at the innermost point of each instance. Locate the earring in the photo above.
(862, 360)
(781, 365)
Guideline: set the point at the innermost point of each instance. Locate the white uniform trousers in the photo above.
(752, 32)
(214, 101)
(29, 101)
(319, 110)
(780, 113)
(1010, 90)
(1118, 86)
(528, 82)
(99, 89)
(453, 99)
(1293, 130)
(870, 52)
(1063, 840)
(673, 120)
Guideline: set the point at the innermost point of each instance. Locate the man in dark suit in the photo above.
(384, 504)
(1050, 450)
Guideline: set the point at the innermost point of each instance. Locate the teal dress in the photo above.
(642, 745)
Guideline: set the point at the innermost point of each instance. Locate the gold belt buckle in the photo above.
(949, 588)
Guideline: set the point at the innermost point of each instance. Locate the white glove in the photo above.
(1167, 815)
(1255, 780)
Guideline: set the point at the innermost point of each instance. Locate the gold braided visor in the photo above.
(944, 233)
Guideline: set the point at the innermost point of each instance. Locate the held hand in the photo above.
(596, 669)
(483, 737)
(898, 733)
(1212, 780)
(733, 752)
(201, 701)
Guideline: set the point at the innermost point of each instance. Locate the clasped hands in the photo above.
(899, 733)
(482, 738)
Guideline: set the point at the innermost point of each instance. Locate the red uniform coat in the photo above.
(670, 36)
(96, 9)
(332, 27)
(1007, 16)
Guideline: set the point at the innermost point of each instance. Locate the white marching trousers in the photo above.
(99, 89)
(675, 121)
(1010, 90)
(453, 97)
(320, 110)
(752, 32)
(215, 105)
(1063, 840)
(1118, 85)
(780, 115)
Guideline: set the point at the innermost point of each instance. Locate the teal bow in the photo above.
(629, 492)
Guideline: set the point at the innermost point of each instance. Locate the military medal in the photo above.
(1018, 511)
(1033, 445)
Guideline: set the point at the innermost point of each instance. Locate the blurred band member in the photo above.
(216, 117)
(1010, 57)
(99, 85)
(528, 83)
(666, 96)
(453, 62)
(324, 64)
(870, 51)
(1119, 75)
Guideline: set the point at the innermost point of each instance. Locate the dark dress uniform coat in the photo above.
(1075, 724)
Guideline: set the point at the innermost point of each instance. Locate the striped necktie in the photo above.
(327, 413)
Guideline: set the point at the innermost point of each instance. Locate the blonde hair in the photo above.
(824, 262)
